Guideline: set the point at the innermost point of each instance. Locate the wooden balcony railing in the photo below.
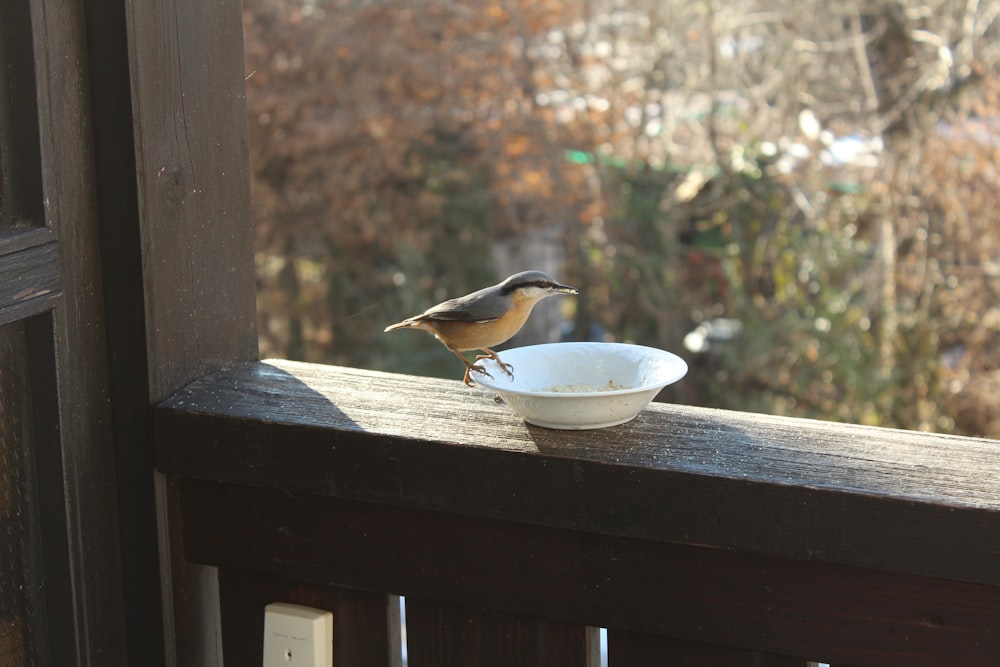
(696, 536)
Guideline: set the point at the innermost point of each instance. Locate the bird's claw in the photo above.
(508, 369)
(477, 368)
(480, 369)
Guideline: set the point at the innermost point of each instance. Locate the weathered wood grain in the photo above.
(29, 281)
(79, 379)
(191, 256)
(892, 500)
(192, 165)
(18, 239)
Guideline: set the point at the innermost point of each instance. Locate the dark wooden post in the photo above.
(171, 148)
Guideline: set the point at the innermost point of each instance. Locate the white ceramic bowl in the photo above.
(581, 385)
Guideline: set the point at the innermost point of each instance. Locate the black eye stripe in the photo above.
(533, 283)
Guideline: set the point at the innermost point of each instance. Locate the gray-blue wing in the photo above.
(475, 307)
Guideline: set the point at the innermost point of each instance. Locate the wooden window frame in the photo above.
(50, 275)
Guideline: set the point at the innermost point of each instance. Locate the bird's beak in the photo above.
(565, 289)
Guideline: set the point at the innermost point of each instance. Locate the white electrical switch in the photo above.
(297, 636)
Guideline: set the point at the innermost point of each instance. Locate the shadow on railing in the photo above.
(696, 537)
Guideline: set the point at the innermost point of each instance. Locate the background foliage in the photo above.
(819, 178)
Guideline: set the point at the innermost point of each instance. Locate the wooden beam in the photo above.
(192, 164)
(897, 501)
(189, 251)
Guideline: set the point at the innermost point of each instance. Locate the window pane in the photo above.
(18, 535)
(20, 165)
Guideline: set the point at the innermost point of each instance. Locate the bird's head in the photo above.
(534, 285)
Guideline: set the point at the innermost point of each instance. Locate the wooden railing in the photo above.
(696, 536)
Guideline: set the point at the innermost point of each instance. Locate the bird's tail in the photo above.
(399, 325)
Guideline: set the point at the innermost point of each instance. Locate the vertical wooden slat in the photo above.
(369, 629)
(89, 484)
(594, 647)
(441, 635)
(366, 625)
(191, 606)
(635, 649)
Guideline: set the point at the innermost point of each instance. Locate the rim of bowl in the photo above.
(682, 368)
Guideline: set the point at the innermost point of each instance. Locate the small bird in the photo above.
(486, 318)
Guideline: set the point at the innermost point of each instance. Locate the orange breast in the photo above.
(464, 336)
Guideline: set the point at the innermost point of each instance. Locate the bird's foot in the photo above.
(478, 369)
(505, 367)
